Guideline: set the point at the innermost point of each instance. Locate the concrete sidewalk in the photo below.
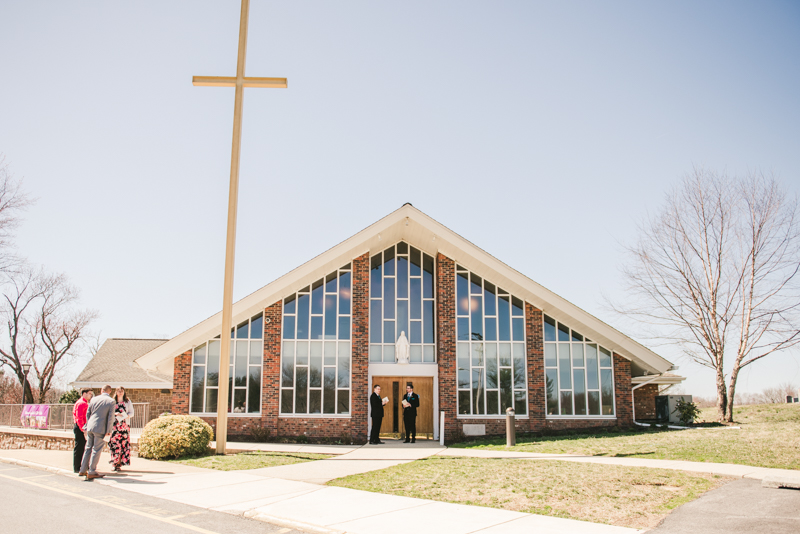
(310, 506)
(731, 470)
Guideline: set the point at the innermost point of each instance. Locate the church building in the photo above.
(476, 337)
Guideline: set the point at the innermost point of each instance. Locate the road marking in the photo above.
(110, 505)
(187, 515)
(36, 476)
(283, 531)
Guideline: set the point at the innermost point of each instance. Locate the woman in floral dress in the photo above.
(120, 442)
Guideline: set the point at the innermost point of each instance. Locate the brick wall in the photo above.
(181, 379)
(360, 344)
(158, 400)
(622, 382)
(644, 400)
(446, 344)
(535, 347)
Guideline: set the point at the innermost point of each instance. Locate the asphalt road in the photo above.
(34, 501)
(741, 506)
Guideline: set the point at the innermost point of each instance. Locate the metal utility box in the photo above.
(665, 408)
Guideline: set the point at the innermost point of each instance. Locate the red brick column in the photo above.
(536, 383)
(446, 343)
(644, 399)
(622, 383)
(181, 380)
(360, 350)
(271, 386)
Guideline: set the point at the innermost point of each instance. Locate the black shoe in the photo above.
(407, 441)
(379, 443)
(414, 440)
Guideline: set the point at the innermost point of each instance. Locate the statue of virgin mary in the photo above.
(401, 349)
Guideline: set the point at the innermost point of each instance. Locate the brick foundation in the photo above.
(644, 400)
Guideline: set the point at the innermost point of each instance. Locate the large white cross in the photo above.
(239, 82)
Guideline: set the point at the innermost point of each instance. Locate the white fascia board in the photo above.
(662, 380)
(126, 385)
(421, 231)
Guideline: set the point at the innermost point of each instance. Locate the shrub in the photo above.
(687, 411)
(69, 397)
(259, 434)
(173, 436)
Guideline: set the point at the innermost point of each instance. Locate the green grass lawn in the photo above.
(251, 460)
(769, 437)
(624, 496)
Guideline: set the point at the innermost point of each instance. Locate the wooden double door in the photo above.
(394, 387)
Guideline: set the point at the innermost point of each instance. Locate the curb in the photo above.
(34, 465)
(297, 525)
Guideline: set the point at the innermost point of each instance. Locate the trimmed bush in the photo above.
(173, 436)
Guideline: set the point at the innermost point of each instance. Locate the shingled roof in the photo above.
(114, 365)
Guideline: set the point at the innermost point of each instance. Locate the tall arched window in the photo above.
(402, 299)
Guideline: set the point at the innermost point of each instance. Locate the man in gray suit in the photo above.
(99, 424)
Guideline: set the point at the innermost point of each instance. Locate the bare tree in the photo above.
(12, 201)
(44, 326)
(778, 394)
(717, 271)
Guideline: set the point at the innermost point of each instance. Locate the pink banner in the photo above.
(35, 416)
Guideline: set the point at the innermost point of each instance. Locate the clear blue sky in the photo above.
(542, 132)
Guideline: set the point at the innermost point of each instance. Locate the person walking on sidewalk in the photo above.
(99, 424)
(79, 416)
(376, 406)
(120, 442)
(410, 405)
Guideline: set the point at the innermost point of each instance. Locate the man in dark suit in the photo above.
(376, 407)
(410, 413)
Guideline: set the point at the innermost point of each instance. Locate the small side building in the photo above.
(115, 365)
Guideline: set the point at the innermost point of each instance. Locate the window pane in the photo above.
(563, 332)
(549, 328)
(520, 403)
(315, 401)
(316, 327)
(463, 402)
(330, 316)
(344, 294)
(580, 392)
(415, 353)
(315, 367)
(477, 391)
(303, 302)
(343, 404)
(416, 298)
(492, 403)
(402, 317)
(388, 298)
(463, 328)
(256, 352)
(504, 318)
(550, 355)
(551, 380)
(594, 402)
(475, 286)
(506, 398)
(489, 299)
(505, 354)
(427, 321)
(476, 317)
(491, 329)
(343, 371)
(288, 326)
(375, 321)
(402, 277)
(519, 329)
(240, 379)
(416, 262)
(427, 277)
(212, 369)
(416, 332)
(388, 262)
(330, 353)
(211, 400)
(329, 391)
(243, 330)
(491, 367)
(287, 364)
(591, 367)
(576, 336)
(375, 354)
(428, 354)
(402, 247)
(375, 278)
(289, 305)
(198, 377)
(607, 389)
(286, 400)
(566, 403)
(388, 332)
(331, 283)
(344, 327)
(317, 293)
(200, 354)
(577, 354)
(519, 365)
(301, 391)
(462, 294)
(462, 353)
(302, 352)
(605, 358)
(516, 307)
(388, 354)
(477, 354)
(239, 401)
(565, 372)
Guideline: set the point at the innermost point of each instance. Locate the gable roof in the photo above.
(115, 364)
(419, 230)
